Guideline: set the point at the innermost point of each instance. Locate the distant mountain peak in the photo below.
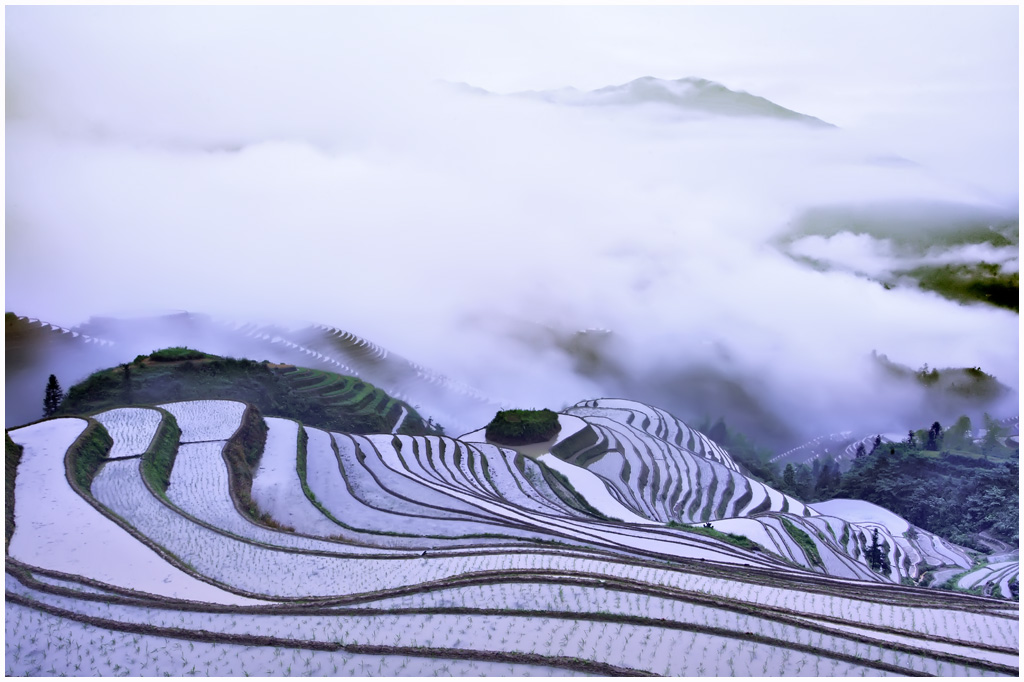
(692, 95)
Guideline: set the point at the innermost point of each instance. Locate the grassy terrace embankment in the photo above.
(316, 398)
(804, 540)
(741, 541)
(158, 460)
(242, 452)
(89, 453)
(12, 457)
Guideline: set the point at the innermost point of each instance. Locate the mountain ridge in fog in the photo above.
(690, 94)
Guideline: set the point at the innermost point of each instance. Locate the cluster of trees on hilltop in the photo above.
(938, 479)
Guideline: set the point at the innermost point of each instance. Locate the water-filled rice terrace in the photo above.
(202, 538)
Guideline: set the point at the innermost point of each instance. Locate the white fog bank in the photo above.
(306, 165)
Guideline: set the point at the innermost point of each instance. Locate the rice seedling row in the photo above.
(635, 456)
(631, 592)
(507, 482)
(649, 598)
(588, 602)
(654, 462)
(568, 631)
(529, 477)
(359, 458)
(473, 468)
(533, 477)
(260, 570)
(328, 486)
(57, 529)
(579, 531)
(988, 573)
(70, 584)
(467, 480)
(436, 457)
(486, 480)
(393, 481)
(612, 596)
(363, 469)
(594, 489)
(276, 486)
(200, 487)
(74, 648)
(661, 425)
(201, 420)
(132, 429)
(625, 482)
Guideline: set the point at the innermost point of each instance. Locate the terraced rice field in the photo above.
(992, 579)
(429, 555)
(132, 429)
(346, 392)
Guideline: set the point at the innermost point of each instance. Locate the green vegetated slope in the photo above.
(915, 235)
(36, 349)
(804, 540)
(27, 340)
(917, 485)
(969, 282)
(242, 452)
(317, 398)
(911, 480)
(947, 387)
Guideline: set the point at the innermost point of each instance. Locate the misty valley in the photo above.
(507, 340)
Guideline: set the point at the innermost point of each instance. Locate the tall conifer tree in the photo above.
(51, 401)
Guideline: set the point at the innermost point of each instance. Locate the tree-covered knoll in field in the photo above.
(522, 427)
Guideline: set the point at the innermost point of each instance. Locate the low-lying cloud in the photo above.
(862, 253)
(441, 225)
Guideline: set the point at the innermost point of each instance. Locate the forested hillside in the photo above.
(913, 478)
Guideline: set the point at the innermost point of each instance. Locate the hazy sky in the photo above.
(922, 74)
(304, 163)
